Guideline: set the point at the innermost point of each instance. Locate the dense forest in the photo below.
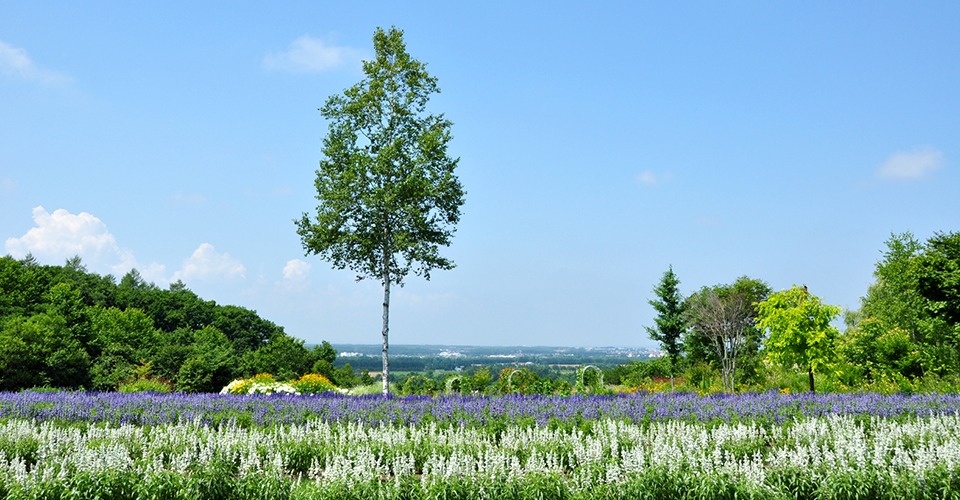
(65, 327)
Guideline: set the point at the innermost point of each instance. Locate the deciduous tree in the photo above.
(388, 195)
(722, 319)
(800, 330)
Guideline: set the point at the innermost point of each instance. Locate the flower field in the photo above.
(770, 445)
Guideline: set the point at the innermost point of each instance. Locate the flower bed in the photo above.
(264, 383)
(58, 445)
(265, 409)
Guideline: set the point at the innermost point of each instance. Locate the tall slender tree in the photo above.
(388, 194)
(670, 322)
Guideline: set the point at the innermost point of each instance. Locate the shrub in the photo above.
(151, 384)
(313, 383)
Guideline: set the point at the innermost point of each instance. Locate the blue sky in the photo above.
(599, 143)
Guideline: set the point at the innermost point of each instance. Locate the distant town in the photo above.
(428, 357)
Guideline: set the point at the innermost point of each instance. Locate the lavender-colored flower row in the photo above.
(154, 409)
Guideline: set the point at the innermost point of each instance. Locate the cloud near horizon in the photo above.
(206, 263)
(16, 62)
(310, 55)
(911, 165)
(61, 235)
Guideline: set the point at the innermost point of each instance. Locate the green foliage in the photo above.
(345, 376)
(246, 330)
(388, 195)
(284, 356)
(894, 298)
(478, 381)
(20, 288)
(670, 321)
(109, 369)
(916, 292)
(41, 350)
(312, 383)
(325, 352)
(722, 328)
(526, 381)
(172, 352)
(703, 377)
(325, 355)
(419, 385)
(210, 365)
(324, 367)
(637, 373)
(20, 366)
(800, 330)
(62, 326)
(145, 381)
(938, 276)
(386, 185)
(146, 385)
(131, 328)
(878, 351)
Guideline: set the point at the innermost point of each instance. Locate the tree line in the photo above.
(65, 327)
(905, 335)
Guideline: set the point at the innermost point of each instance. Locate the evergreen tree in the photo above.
(670, 323)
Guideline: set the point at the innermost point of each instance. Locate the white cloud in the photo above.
(206, 263)
(310, 55)
(14, 61)
(296, 270)
(61, 235)
(650, 178)
(914, 164)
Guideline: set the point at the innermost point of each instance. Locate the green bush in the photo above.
(313, 383)
(146, 385)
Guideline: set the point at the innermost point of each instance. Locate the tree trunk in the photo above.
(386, 322)
(672, 363)
(810, 372)
(733, 374)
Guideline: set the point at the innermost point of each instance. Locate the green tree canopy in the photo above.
(388, 195)
(670, 321)
(917, 292)
(894, 299)
(64, 326)
(800, 330)
(283, 356)
(722, 325)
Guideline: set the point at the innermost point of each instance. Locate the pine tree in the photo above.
(670, 323)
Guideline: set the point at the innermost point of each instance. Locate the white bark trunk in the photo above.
(386, 330)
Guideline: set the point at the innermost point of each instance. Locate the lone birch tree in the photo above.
(388, 195)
